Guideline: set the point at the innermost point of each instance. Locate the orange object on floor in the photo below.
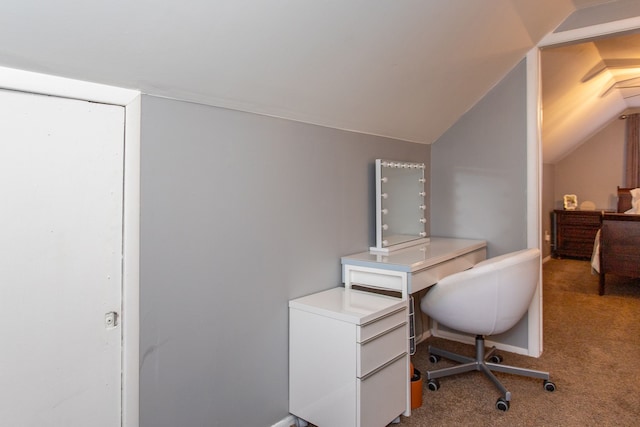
(416, 388)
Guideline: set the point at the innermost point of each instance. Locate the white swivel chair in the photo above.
(488, 299)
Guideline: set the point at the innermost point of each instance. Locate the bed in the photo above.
(617, 248)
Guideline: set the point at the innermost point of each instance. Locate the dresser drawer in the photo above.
(575, 232)
(377, 351)
(581, 219)
(380, 325)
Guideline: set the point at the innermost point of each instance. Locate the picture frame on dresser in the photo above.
(570, 202)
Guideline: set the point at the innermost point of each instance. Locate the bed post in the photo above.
(601, 282)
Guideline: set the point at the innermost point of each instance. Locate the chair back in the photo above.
(489, 298)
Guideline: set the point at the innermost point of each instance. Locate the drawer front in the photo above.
(377, 351)
(383, 395)
(588, 233)
(430, 276)
(591, 218)
(378, 278)
(379, 326)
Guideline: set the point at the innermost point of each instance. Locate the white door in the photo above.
(61, 184)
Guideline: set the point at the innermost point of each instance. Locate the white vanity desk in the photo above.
(414, 268)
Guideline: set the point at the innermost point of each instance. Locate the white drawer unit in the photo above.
(348, 358)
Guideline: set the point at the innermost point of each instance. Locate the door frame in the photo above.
(25, 81)
(534, 145)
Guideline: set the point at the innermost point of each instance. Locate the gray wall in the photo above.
(479, 170)
(239, 214)
(479, 176)
(594, 170)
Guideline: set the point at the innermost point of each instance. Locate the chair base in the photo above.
(480, 363)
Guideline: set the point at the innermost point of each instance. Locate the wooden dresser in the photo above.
(575, 232)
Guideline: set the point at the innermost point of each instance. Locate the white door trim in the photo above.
(131, 267)
(26, 81)
(534, 194)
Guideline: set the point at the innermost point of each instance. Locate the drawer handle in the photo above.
(388, 331)
(380, 368)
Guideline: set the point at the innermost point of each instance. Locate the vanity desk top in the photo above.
(419, 257)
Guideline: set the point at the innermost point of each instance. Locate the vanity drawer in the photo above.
(380, 325)
(430, 276)
(377, 351)
(375, 277)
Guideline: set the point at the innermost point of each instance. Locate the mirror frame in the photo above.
(385, 245)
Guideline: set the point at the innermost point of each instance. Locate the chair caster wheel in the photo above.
(433, 385)
(549, 385)
(434, 358)
(496, 358)
(502, 404)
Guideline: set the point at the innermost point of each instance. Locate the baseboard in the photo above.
(547, 258)
(288, 422)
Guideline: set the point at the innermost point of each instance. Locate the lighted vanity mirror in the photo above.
(400, 205)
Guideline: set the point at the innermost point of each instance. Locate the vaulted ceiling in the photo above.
(403, 69)
(584, 87)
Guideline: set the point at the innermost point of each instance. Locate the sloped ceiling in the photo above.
(403, 69)
(575, 107)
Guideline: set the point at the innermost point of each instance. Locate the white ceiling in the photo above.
(406, 69)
